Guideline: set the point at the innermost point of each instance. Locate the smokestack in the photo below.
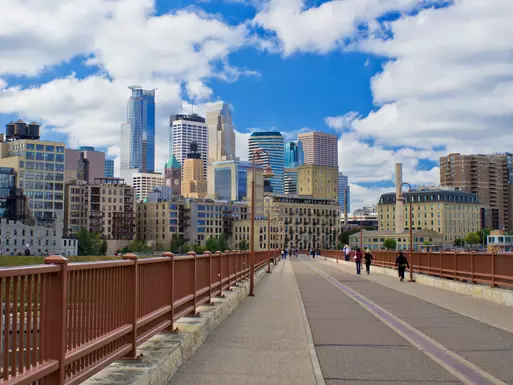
(399, 200)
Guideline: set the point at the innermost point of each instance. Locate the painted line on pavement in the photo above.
(464, 370)
(319, 378)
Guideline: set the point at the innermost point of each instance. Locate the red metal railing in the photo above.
(62, 323)
(487, 268)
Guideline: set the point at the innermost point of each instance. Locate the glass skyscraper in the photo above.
(294, 155)
(273, 143)
(138, 134)
(344, 193)
(109, 168)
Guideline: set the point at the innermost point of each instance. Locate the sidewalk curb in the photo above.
(163, 354)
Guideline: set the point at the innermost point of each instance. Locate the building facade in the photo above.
(317, 181)
(106, 207)
(173, 175)
(272, 143)
(294, 155)
(144, 182)
(39, 166)
(185, 129)
(95, 159)
(109, 168)
(453, 214)
(264, 239)
(374, 240)
(138, 133)
(290, 181)
(308, 222)
(319, 148)
(221, 133)
(488, 176)
(194, 184)
(231, 180)
(344, 193)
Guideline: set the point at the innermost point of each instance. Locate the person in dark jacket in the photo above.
(402, 263)
(368, 260)
(358, 261)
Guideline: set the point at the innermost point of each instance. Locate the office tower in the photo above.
(290, 181)
(185, 129)
(488, 176)
(231, 179)
(109, 168)
(40, 169)
(144, 182)
(221, 133)
(83, 168)
(272, 143)
(194, 184)
(294, 155)
(173, 175)
(319, 148)
(138, 133)
(344, 194)
(317, 181)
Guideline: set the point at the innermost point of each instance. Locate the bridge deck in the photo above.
(366, 330)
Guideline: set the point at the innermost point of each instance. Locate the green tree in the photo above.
(186, 248)
(222, 243)
(243, 245)
(459, 242)
(473, 238)
(483, 234)
(89, 243)
(426, 243)
(199, 249)
(138, 246)
(211, 244)
(176, 244)
(103, 247)
(390, 244)
(343, 237)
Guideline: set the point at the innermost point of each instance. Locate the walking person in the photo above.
(368, 260)
(347, 253)
(282, 252)
(402, 263)
(313, 252)
(296, 252)
(358, 261)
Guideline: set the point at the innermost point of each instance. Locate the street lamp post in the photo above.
(360, 211)
(268, 173)
(411, 230)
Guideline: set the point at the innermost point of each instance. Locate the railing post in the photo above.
(220, 275)
(236, 254)
(455, 257)
(56, 328)
(131, 308)
(429, 262)
(171, 257)
(209, 276)
(195, 283)
(472, 266)
(228, 254)
(493, 269)
(441, 263)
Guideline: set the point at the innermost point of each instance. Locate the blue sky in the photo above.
(396, 80)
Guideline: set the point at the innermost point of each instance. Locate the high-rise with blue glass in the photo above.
(294, 155)
(344, 193)
(272, 142)
(138, 133)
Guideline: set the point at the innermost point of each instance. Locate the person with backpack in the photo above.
(368, 260)
(358, 261)
(402, 263)
(347, 253)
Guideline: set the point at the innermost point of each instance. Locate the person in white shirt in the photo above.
(347, 252)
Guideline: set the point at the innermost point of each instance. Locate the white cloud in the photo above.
(241, 145)
(3, 83)
(339, 123)
(35, 34)
(322, 28)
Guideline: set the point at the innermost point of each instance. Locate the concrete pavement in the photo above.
(262, 342)
(347, 335)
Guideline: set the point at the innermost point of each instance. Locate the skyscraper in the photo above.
(185, 129)
(344, 193)
(272, 143)
(138, 133)
(293, 154)
(488, 176)
(95, 158)
(221, 134)
(194, 184)
(319, 149)
(109, 168)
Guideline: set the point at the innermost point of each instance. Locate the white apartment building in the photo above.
(185, 129)
(144, 182)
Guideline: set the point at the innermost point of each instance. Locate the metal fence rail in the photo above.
(487, 268)
(62, 323)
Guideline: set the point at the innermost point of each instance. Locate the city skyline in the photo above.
(321, 68)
